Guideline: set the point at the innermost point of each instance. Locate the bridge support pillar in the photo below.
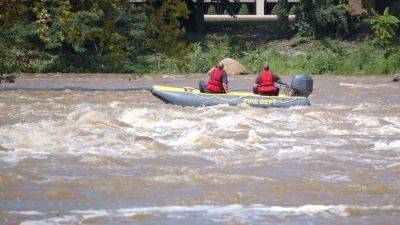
(260, 7)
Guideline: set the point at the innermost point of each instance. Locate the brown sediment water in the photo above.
(110, 157)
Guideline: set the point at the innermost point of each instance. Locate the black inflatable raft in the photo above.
(192, 97)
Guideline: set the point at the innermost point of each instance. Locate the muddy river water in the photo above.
(107, 157)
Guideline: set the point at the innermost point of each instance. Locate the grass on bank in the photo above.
(297, 55)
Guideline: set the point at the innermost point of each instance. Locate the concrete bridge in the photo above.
(262, 7)
(259, 10)
(260, 4)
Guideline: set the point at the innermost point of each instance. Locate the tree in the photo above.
(384, 27)
(15, 30)
(93, 34)
(281, 10)
(166, 31)
(321, 18)
(211, 10)
(244, 10)
(294, 10)
(306, 20)
(195, 20)
(331, 21)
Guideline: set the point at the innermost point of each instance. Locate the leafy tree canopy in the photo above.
(104, 31)
(321, 18)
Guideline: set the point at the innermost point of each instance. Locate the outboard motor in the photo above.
(302, 85)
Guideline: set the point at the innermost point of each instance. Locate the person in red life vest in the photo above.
(265, 83)
(218, 82)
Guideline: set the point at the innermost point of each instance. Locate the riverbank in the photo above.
(297, 55)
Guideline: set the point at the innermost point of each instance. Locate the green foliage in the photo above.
(281, 10)
(255, 59)
(9, 64)
(384, 27)
(275, 10)
(332, 20)
(195, 22)
(203, 57)
(89, 34)
(306, 20)
(323, 18)
(244, 10)
(166, 30)
(199, 60)
(294, 10)
(12, 11)
(328, 56)
(212, 10)
(310, 62)
(333, 45)
(17, 33)
(324, 63)
(298, 40)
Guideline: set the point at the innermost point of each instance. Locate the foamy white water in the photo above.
(214, 213)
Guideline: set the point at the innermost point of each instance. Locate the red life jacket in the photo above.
(267, 84)
(215, 83)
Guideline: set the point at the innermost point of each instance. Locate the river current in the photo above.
(110, 157)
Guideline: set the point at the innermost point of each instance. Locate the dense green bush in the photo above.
(244, 10)
(279, 7)
(384, 27)
(204, 57)
(332, 21)
(9, 64)
(333, 45)
(294, 10)
(305, 18)
(323, 18)
(211, 10)
(93, 36)
(298, 40)
(281, 10)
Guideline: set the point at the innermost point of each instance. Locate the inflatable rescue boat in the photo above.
(294, 95)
